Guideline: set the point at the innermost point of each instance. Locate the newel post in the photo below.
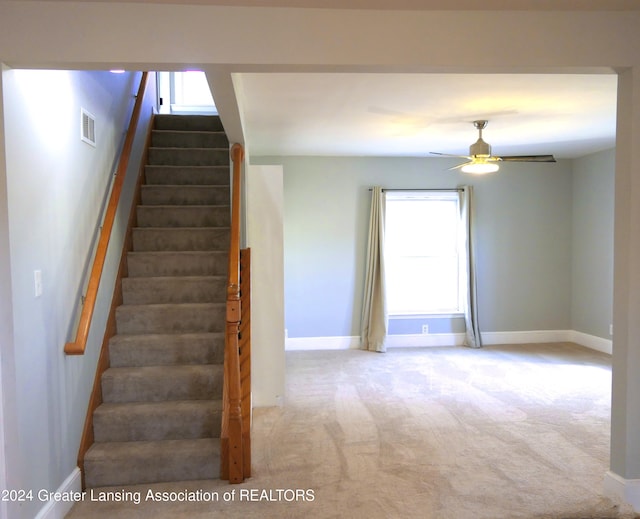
(232, 433)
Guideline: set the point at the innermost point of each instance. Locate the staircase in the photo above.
(162, 394)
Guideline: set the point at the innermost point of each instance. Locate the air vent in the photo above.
(87, 127)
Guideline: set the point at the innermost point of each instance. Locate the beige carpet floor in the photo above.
(439, 433)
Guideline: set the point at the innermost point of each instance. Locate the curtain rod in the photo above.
(418, 189)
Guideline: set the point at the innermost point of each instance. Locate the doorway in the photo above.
(185, 93)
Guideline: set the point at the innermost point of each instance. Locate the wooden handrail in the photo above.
(78, 346)
(233, 287)
(232, 466)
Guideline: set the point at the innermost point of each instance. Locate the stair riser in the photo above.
(131, 422)
(186, 139)
(158, 385)
(149, 239)
(166, 350)
(188, 157)
(187, 176)
(185, 263)
(185, 195)
(183, 318)
(137, 291)
(142, 463)
(183, 216)
(205, 123)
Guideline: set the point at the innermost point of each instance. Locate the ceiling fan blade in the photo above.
(459, 166)
(526, 158)
(450, 155)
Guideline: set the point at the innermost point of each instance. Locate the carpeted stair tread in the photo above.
(189, 139)
(184, 238)
(170, 318)
(160, 383)
(166, 174)
(166, 349)
(204, 123)
(174, 289)
(172, 194)
(146, 421)
(129, 463)
(177, 263)
(183, 215)
(188, 156)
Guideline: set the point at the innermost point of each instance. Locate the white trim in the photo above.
(591, 341)
(446, 315)
(617, 487)
(452, 339)
(525, 337)
(425, 340)
(58, 509)
(322, 343)
(393, 341)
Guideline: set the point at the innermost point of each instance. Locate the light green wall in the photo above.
(524, 230)
(593, 215)
(54, 200)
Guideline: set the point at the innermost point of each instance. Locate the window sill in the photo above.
(445, 315)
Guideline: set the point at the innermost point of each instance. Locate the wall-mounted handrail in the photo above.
(78, 346)
(232, 466)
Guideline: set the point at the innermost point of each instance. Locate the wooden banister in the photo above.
(78, 346)
(232, 437)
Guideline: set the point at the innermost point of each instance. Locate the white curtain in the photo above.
(472, 336)
(374, 324)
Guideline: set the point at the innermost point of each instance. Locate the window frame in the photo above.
(434, 195)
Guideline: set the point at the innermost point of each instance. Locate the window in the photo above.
(185, 92)
(424, 248)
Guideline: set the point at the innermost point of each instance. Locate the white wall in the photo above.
(8, 416)
(56, 191)
(264, 193)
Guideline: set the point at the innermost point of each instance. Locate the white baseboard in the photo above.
(452, 339)
(591, 341)
(525, 337)
(58, 509)
(321, 343)
(619, 488)
(425, 340)
(393, 341)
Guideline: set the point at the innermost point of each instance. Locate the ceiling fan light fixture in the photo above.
(480, 167)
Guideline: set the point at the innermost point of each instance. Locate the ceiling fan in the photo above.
(480, 159)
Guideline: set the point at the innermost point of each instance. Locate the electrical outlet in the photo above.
(610, 329)
(425, 328)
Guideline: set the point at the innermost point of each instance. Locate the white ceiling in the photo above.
(413, 114)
